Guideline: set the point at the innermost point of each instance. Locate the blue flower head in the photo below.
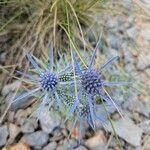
(90, 82)
(49, 83)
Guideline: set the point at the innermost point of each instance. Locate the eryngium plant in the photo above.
(48, 82)
(90, 85)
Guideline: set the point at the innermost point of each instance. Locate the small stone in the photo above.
(11, 116)
(143, 60)
(14, 130)
(21, 116)
(97, 142)
(50, 146)
(3, 135)
(127, 130)
(49, 121)
(81, 148)
(29, 126)
(141, 107)
(114, 41)
(10, 87)
(145, 126)
(36, 139)
(67, 145)
(19, 146)
(132, 33)
(57, 135)
(146, 142)
(114, 143)
(146, 33)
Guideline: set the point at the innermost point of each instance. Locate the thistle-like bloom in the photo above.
(90, 81)
(48, 83)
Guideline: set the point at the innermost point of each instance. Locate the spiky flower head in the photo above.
(48, 81)
(91, 81)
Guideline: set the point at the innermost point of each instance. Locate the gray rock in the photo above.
(72, 144)
(146, 33)
(113, 142)
(21, 116)
(97, 142)
(114, 41)
(67, 145)
(143, 60)
(81, 148)
(3, 135)
(29, 126)
(49, 121)
(127, 130)
(14, 130)
(50, 146)
(140, 107)
(112, 23)
(132, 33)
(36, 139)
(145, 126)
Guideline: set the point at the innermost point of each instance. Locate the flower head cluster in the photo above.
(90, 82)
(75, 90)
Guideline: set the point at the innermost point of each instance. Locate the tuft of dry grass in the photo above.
(37, 24)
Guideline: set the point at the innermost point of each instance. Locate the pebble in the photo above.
(97, 142)
(19, 146)
(29, 126)
(38, 138)
(146, 142)
(132, 33)
(140, 107)
(67, 145)
(14, 130)
(3, 135)
(143, 60)
(49, 121)
(21, 116)
(127, 130)
(50, 146)
(81, 148)
(145, 126)
(114, 41)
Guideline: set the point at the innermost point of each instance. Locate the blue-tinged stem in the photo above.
(27, 75)
(94, 54)
(109, 62)
(43, 103)
(59, 103)
(91, 110)
(51, 58)
(75, 103)
(76, 64)
(26, 94)
(35, 65)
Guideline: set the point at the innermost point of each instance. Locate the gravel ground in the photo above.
(20, 131)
